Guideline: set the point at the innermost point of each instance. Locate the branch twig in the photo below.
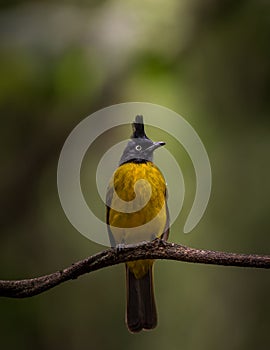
(156, 249)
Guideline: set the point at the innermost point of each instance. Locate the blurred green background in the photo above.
(209, 60)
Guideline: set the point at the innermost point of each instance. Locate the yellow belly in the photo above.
(147, 223)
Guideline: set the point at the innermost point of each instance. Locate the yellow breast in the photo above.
(149, 221)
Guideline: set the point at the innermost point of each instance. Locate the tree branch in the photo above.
(156, 249)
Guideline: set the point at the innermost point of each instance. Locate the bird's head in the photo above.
(140, 148)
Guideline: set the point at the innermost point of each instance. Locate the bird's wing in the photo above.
(109, 196)
(165, 234)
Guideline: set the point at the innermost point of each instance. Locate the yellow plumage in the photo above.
(147, 223)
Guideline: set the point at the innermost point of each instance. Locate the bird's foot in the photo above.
(120, 247)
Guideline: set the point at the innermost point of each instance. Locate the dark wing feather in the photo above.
(165, 234)
(109, 195)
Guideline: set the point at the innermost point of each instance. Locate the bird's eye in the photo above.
(138, 148)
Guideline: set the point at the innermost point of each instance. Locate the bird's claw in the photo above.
(120, 247)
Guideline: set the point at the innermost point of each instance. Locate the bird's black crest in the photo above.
(138, 128)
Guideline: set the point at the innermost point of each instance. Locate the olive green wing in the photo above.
(166, 232)
(109, 196)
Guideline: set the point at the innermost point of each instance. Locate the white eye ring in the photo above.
(138, 148)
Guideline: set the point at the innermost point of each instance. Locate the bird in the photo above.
(138, 183)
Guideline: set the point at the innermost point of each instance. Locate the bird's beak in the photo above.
(155, 146)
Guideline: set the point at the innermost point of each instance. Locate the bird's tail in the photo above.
(141, 308)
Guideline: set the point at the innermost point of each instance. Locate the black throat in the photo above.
(136, 161)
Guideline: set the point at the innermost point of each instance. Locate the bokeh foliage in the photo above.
(209, 60)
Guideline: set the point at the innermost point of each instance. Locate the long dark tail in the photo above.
(141, 310)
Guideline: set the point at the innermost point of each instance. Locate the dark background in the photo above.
(209, 60)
